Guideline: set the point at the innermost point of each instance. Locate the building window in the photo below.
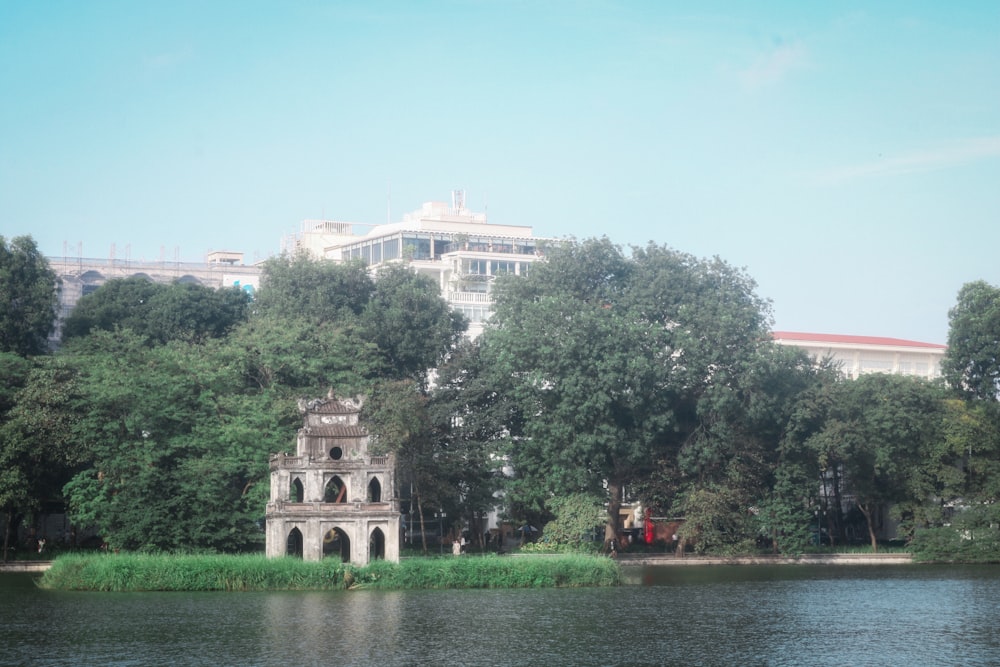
(875, 365)
(474, 286)
(475, 314)
(416, 248)
(500, 267)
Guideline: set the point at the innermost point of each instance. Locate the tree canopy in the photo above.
(972, 362)
(160, 313)
(877, 436)
(28, 297)
(618, 362)
(167, 400)
(605, 375)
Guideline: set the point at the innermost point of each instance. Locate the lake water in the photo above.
(692, 615)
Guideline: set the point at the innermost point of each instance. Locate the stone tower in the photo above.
(333, 498)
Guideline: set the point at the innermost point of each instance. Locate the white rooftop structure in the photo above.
(456, 247)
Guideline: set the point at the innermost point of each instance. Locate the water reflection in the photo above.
(357, 627)
(789, 615)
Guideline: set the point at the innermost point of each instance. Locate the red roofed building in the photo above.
(869, 354)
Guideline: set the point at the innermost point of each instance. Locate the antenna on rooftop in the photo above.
(388, 202)
(457, 200)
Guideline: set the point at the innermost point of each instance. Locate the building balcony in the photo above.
(482, 298)
(286, 508)
(283, 462)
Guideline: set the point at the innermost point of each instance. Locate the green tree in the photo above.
(160, 312)
(620, 363)
(315, 290)
(410, 322)
(192, 313)
(396, 416)
(13, 484)
(122, 302)
(963, 527)
(168, 400)
(972, 362)
(36, 418)
(878, 433)
(742, 484)
(446, 440)
(294, 354)
(399, 311)
(28, 297)
(471, 421)
(176, 449)
(576, 517)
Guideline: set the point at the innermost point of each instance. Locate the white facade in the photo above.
(316, 235)
(858, 355)
(456, 247)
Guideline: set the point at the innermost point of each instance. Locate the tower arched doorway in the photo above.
(376, 545)
(293, 545)
(336, 491)
(296, 494)
(374, 491)
(336, 544)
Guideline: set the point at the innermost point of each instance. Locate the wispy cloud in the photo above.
(953, 154)
(774, 66)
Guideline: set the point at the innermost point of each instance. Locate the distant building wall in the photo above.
(80, 276)
(858, 355)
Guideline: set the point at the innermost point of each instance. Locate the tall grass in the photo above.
(144, 572)
(497, 572)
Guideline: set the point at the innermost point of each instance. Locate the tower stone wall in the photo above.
(333, 497)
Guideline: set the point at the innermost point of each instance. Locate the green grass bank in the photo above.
(142, 572)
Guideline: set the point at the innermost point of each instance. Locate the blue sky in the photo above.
(848, 156)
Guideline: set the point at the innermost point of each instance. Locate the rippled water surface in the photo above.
(692, 615)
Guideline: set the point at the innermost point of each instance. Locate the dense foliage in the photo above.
(604, 377)
(155, 420)
(972, 362)
(624, 366)
(28, 297)
(160, 313)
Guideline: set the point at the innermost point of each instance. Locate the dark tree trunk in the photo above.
(871, 527)
(614, 508)
(6, 534)
(837, 504)
(423, 531)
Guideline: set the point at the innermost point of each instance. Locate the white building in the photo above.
(869, 354)
(459, 249)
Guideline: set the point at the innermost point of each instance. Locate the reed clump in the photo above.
(168, 572)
